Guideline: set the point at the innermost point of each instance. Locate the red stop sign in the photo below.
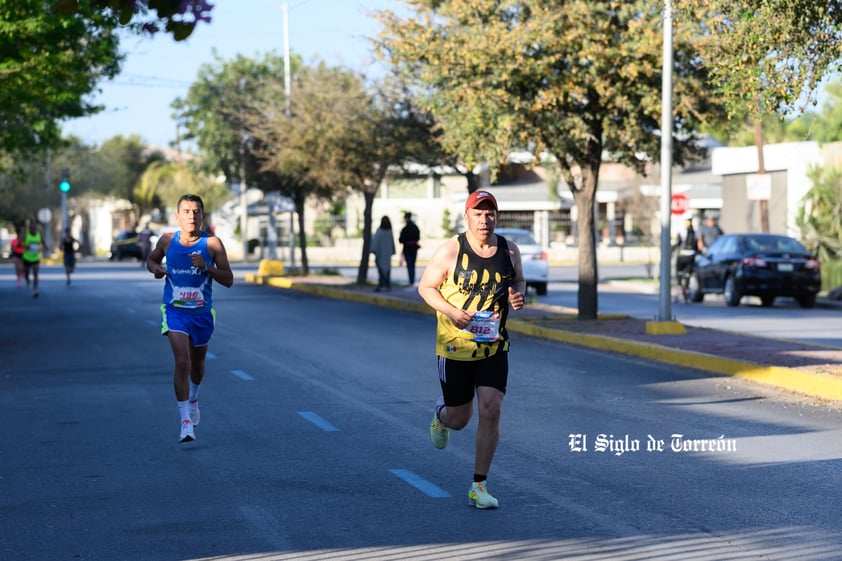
(680, 203)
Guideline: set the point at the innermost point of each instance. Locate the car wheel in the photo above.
(540, 288)
(732, 295)
(695, 289)
(767, 301)
(807, 301)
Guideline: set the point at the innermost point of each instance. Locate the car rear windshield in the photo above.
(774, 244)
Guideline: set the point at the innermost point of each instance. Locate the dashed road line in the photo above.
(242, 375)
(323, 424)
(430, 489)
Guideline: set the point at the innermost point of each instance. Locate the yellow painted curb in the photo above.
(665, 328)
(814, 385)
(270, 268)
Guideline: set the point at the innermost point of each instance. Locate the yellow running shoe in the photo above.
(480, 497)
(439, 433)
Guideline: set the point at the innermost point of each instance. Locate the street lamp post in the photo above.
(665, 310)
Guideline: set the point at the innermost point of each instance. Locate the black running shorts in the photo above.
(459, 378)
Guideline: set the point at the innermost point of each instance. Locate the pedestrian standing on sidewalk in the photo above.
(33, 243)
(194, 260)
(69, 246)
(708, 233)
(409, 237)
(383, 248)
(470, 281)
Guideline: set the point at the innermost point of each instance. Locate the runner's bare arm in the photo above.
(154, 263)
(221, 271)
(441, 264)
(518, 286)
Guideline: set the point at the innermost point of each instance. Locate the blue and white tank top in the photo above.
(188, 288)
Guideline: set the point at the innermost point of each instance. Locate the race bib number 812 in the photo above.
(484, 327)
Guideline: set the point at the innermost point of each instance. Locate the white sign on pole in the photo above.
(759, 187)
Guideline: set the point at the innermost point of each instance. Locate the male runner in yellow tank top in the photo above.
(471, 281)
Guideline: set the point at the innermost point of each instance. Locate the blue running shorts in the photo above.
(198, 326)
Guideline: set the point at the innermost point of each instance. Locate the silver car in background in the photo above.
(536, 266)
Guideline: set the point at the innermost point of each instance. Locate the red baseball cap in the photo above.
(475, 198)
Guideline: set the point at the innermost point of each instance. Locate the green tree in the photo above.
(163, 182)
(300, 148)
(213, 114)
(49, 63)
(119, 163)
(820, 215)
(824, 125)
(388, 132)
(31, 181)
(821, 125)
(767, 57)
(176, 17)
(580, 82)
(23, 192)
(215, 111)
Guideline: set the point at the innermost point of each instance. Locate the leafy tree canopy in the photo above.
(176, 17)
(767, 56)
(48, 64)
(214, 110)
(580, 81)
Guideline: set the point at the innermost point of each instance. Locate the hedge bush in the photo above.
(831, 274)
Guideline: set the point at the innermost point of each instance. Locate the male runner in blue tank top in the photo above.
(194, 259)
(470, 281)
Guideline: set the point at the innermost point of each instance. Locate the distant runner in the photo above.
(33, 243)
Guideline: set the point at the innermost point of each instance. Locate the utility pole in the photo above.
(288, 99)
(665, 308)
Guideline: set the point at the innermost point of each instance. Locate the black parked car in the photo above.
(126, 245)
(762, 265)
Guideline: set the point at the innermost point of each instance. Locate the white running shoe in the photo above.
(195, 415)
(187, 433)
(479, 496)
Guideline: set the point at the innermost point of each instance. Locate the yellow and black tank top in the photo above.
(479, 284)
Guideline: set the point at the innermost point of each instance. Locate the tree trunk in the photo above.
(473, 181)
(302, 235)
(761, 169)
(362, 272)
(588, 277)
(85, 234)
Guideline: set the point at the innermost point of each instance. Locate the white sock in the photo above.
(194, 391)
(184, 410)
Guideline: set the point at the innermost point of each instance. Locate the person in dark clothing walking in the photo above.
(409, 237)
(685, 248)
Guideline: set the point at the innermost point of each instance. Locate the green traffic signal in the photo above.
(64, 186)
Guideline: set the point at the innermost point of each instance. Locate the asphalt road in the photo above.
(313, 443)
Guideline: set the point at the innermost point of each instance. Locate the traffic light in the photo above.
(64, 185)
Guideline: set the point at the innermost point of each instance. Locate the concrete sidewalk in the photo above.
(810, 370)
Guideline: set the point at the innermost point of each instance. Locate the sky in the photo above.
(158, 70)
